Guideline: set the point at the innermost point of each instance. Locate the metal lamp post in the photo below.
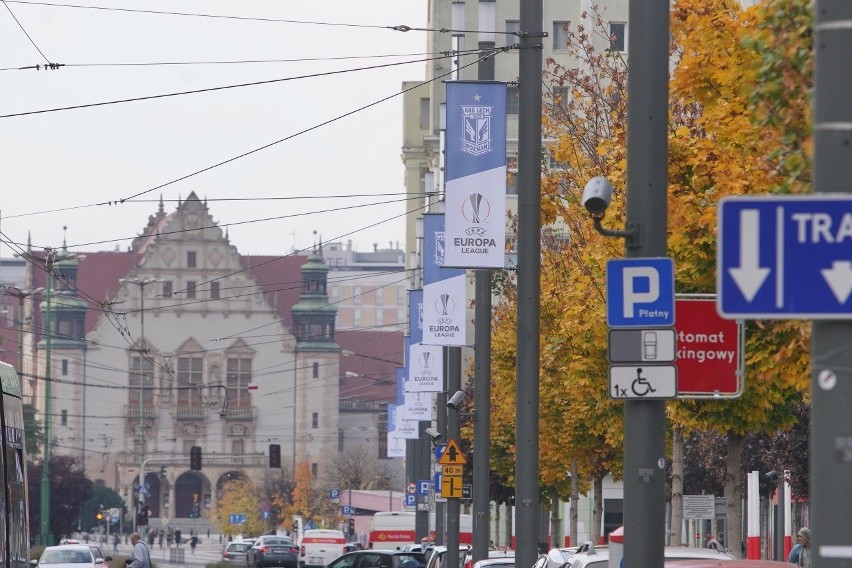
(45, 538)
(141, 282)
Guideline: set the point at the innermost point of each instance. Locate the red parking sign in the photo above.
(708, 350)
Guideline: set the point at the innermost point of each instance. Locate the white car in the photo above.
(70, 556)
(597, 558)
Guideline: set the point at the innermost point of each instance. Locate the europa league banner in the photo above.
(444, 290)
(476, 175)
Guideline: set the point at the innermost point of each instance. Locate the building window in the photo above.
(340, 439)
(425, 108)
(191, 259)
(380, 316)
(617, 36)
(237, 382)
(560, 97)
(400, 295)
(513, 101)
(380, 296)
(400, 315)
(315, 420)
(167, 288)
(315, 370)
(64, 419)
(238, 447)
(190, 289)
(335, 294)
(314, 469)
(238, 430)
(140, 382)
(65, 366)
(356, 317)
(189, 375)
(214, 290)
(512, 29)
(560, 35)
(356, 295)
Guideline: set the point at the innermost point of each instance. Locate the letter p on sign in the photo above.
(640, 292)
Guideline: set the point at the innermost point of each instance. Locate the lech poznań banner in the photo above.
(444, 289)
(476, 175)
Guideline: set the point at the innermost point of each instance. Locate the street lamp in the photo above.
(141, 282)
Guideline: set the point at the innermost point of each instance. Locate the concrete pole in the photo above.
(529, 286)
(482, 346)
(45, 536)
(831, 342)
(424, 444)
(647, 183)
(453, 433)
(441, 506)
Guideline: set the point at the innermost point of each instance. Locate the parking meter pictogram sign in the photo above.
(640, 292)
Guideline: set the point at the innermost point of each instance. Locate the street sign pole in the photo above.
(647, 184)
(831, 356)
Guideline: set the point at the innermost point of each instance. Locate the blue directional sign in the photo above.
(439, 450)
(640, 292)
(237, 518)
(785, 257)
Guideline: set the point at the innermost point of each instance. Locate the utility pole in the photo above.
(529, 287)
(482, 336)
(45, 538)
(831, 354)
(647, 184)
(453, 433)
(142, 377)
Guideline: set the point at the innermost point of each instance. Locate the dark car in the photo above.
(269, 550)
(372, 558)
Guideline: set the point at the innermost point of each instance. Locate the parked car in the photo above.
(271, 550)
(500, 562)
(373, 558)
(70, 556)
(96, 552)
(468, 556)
(598, 558)
(561, 557)
(698, 563)
(235, 552)
(439, 553)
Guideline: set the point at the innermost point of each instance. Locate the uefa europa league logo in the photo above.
(445, 300)
(426, 360)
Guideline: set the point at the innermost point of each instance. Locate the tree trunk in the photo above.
(496, 525)
(597, 512)
(734, 494)
(677, 487)
(555, 523)
(575, 502)
(509, 529)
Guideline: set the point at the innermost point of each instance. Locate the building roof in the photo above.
(372, 357)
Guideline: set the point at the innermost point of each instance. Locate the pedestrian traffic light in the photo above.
(195, 458)
(275, 456)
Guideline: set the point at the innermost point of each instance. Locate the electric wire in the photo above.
(17, 21)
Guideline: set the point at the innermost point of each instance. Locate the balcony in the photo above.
(188, 412)
(243, 414)
(132, 411)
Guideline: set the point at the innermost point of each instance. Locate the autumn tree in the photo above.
(718, 146)
(239, 497)
(69, 490)
(357, 468)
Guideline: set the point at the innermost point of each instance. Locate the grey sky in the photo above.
(106, 153)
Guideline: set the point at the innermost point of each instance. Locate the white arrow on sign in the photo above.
(839, 279)
(749, 276)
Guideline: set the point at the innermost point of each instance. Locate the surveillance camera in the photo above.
(597, 195)
(434, 434)
(456, 400)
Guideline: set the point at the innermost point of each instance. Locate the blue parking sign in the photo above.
(640, 292)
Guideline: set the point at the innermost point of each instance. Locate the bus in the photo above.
(395, 529)
(14, 524)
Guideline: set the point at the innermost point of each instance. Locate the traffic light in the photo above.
(99, 515)
(351, 524)
(162, 472)
(275, 456)
(195, 458)
(143, 515)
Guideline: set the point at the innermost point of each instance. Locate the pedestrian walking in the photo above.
(801, 553)
(160, 535)
(192, 542)
(170, 536)
(177, 537)
(141, 556)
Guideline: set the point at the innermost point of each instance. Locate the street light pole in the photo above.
(141, 282)
(45, 538)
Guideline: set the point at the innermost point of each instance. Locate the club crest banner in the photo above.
(475, 232)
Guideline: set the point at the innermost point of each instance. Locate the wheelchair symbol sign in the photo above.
(643, 381)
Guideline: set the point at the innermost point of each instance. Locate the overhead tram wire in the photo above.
(233, 86)
(11, 13)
